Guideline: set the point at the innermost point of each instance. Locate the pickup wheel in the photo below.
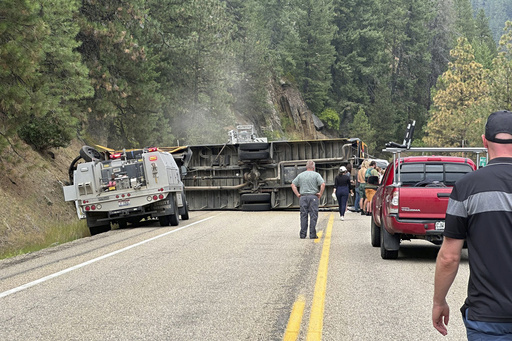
(375, 234)
(386, 254)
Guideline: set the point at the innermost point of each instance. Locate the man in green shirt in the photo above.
(308, 186)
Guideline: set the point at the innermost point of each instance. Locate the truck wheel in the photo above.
(164, 220)
(386, 254)
(255, 198)
(123, 223)
(253, 146)
(375, 234)
(89, 154)
(256, 155)
(185, 215)
(174, 219)
(256, 207)
(94, 230)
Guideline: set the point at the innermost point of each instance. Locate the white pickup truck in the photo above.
(126, 187)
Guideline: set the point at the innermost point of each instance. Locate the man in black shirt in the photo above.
(480, 212)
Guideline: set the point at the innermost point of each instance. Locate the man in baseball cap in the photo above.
(480, 212)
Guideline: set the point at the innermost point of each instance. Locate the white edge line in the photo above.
(81, 265)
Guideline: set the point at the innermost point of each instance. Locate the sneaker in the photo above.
(342, 218)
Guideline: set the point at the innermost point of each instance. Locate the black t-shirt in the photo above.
(480, 211)
(342, 180)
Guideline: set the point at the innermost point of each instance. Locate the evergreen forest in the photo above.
(136, 73)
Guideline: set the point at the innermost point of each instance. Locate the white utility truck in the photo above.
(126, 187)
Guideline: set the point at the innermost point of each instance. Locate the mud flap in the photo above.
(391, 241)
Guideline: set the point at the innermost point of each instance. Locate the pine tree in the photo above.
(360, 57)
(317, 31)
(501, 74)
(125, 111)
(42, 76)
(461, 90)
(195, 69)
(361, 128)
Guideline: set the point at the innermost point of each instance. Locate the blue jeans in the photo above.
(358, 197)
(487, 331)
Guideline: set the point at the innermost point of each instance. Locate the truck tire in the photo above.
(256, 207)
(164, 220)
(253, 155)
(184, 209)
(375, 234)
(254, 146)
(94, 230)
(255, 198)
(384, 253)
(89, 154)
(174, 219)
(185, 215)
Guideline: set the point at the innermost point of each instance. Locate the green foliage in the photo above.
(330, 117)
(459, 103)
(362, 129)
(48, 132)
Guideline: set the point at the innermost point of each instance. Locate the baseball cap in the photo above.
(498, 122)
(343, 169)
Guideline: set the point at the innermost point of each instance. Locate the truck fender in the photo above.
(391, 241)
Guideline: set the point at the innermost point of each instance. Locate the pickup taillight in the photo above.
(393, 203)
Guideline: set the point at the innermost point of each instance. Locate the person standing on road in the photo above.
(372, 182)
(342, 190)
(312, 186)
(362, 185)
(480, 212)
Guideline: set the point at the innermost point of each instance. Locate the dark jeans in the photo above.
(342, 196)
(308, 207)
(358, 197)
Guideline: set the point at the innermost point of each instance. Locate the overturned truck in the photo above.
(256, 176)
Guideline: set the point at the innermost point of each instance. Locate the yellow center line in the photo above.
(293, 327)
(319, 234)
(316, 317)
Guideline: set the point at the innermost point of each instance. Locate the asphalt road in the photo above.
(226, 276)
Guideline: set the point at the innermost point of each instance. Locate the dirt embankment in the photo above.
(31, 197)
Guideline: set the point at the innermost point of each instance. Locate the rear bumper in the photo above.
(414, 227)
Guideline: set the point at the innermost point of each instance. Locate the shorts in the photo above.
(370, 192)
(362, 192)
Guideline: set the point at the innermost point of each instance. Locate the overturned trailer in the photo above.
(256, 176)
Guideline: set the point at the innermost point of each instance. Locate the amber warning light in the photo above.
(152, 158)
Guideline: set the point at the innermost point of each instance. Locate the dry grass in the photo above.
(33, 214)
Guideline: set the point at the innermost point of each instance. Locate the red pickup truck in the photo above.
(411, 200)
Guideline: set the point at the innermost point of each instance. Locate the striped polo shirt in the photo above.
(480, 211)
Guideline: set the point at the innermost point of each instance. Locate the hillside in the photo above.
(31, 197)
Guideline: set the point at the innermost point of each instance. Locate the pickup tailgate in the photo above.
(423, 202)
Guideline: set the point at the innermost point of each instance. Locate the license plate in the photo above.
(439, 225)
(124, 203)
